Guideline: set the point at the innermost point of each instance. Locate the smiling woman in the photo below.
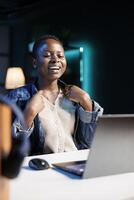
(60, 117)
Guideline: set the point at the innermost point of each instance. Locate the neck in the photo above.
(50, 90)
(49, 85)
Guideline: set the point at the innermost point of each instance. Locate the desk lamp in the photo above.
(14, 78)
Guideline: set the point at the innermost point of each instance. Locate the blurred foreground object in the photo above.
(14, 78)
(12, 149)
(5, 146)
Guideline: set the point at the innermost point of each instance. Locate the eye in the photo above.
(47, 55)
(60, 55)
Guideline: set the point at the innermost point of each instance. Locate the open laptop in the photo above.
(112, 150)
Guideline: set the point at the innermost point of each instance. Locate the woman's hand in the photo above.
(78, 95)
(33, 107)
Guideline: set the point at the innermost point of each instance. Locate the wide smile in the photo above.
(54, 69)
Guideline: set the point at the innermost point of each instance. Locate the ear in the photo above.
(34, 63)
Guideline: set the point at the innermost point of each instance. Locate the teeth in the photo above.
(54, 68)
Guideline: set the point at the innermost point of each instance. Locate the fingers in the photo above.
(67, 90)
(40, 93)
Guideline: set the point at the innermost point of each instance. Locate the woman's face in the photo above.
(50, 60)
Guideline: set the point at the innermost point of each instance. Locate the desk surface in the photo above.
(53, 185)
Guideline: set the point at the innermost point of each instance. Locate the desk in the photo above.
(53, 185)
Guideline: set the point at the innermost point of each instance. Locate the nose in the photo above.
(54, 58)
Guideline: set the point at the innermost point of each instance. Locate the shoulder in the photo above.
(22, 93)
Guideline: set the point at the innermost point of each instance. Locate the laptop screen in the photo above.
(111, 151)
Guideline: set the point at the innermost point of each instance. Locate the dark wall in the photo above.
(108, 28)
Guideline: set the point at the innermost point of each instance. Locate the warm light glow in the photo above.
(14, 78)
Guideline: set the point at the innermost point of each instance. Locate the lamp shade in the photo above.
(14, 78)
